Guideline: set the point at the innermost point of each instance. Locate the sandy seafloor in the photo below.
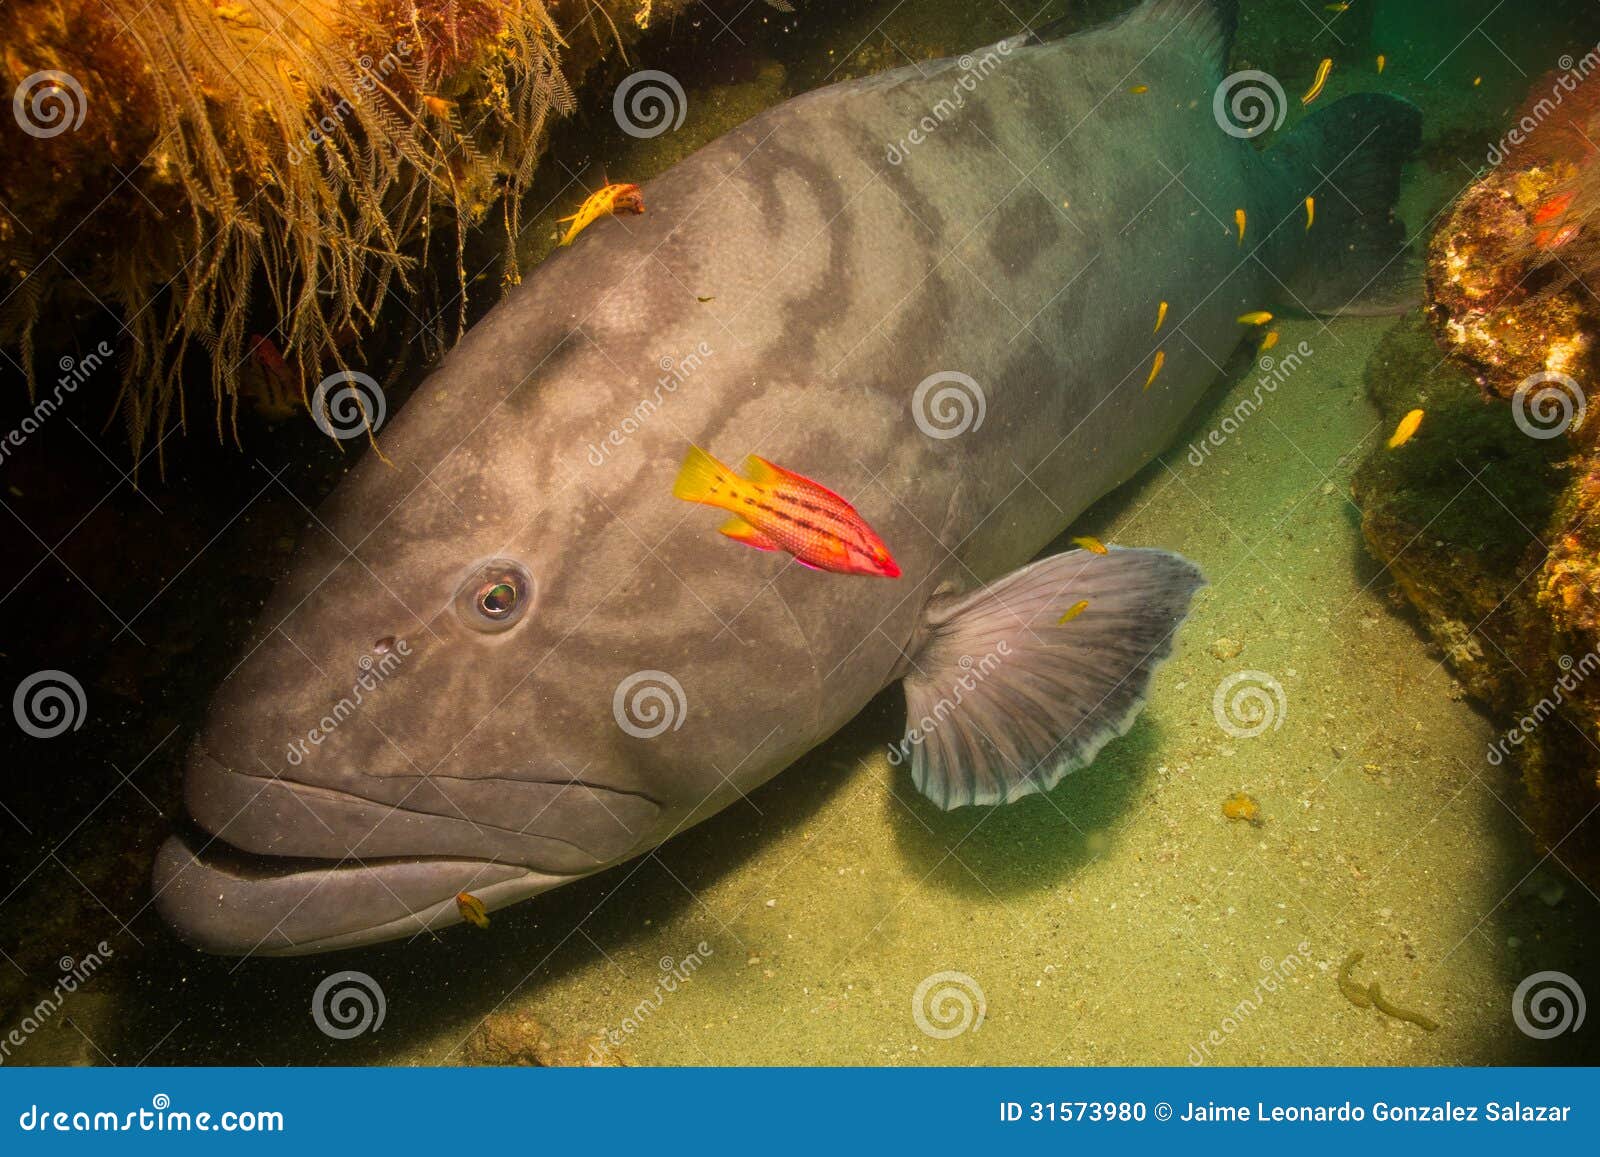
(1122, 919)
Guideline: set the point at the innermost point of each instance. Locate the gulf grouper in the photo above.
(508, 656)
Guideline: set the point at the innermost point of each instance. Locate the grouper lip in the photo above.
(232, 903)
(284, 868)
(561, 828)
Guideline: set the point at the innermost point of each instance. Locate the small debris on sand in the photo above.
(1242, 806)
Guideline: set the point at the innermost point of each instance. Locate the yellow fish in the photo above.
(1073, 611)
(1321, 79)
(1476, 81)
(1270, 340)
(610, 200)
(1161, 316)
(1383, 62)
(1337, 8)
(1311, 211)
(1407, 427)
(1238, 219)
(1090, 543)
(1255, 317)
(1155, 368)
(472, 909)
(1139, 88)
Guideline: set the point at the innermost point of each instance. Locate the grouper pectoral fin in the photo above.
(1026, 679)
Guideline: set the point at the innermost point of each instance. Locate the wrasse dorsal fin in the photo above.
(764, 473)
(1010, 692)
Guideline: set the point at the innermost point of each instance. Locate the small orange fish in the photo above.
(1238, 219)
(777, 509)
(1407, 427)
(1255, 317)
(1318, 81)
(610, 200)
(1161, 316)
(1139, 88)
(1155, 368)
(1311, 211)
(472, 909)
(1476, 81)
(1073, 611)
(1270, 340)
(1383, 62)
(1090, 543)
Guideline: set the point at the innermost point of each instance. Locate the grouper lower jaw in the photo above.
(231, 905)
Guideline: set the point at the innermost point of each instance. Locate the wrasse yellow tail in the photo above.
(703, 479)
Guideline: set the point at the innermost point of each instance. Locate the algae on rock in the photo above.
(1472, 518)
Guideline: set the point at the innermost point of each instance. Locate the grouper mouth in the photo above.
(278, 868)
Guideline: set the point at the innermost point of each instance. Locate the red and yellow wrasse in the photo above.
(610, 200)
(777, 509)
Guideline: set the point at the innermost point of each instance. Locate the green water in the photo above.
(1122, 919)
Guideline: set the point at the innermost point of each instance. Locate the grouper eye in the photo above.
(495, 596)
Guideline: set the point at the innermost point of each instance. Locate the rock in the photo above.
(1226, 648)
(1458, 516)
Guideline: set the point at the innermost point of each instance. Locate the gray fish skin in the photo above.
(1027, 242)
